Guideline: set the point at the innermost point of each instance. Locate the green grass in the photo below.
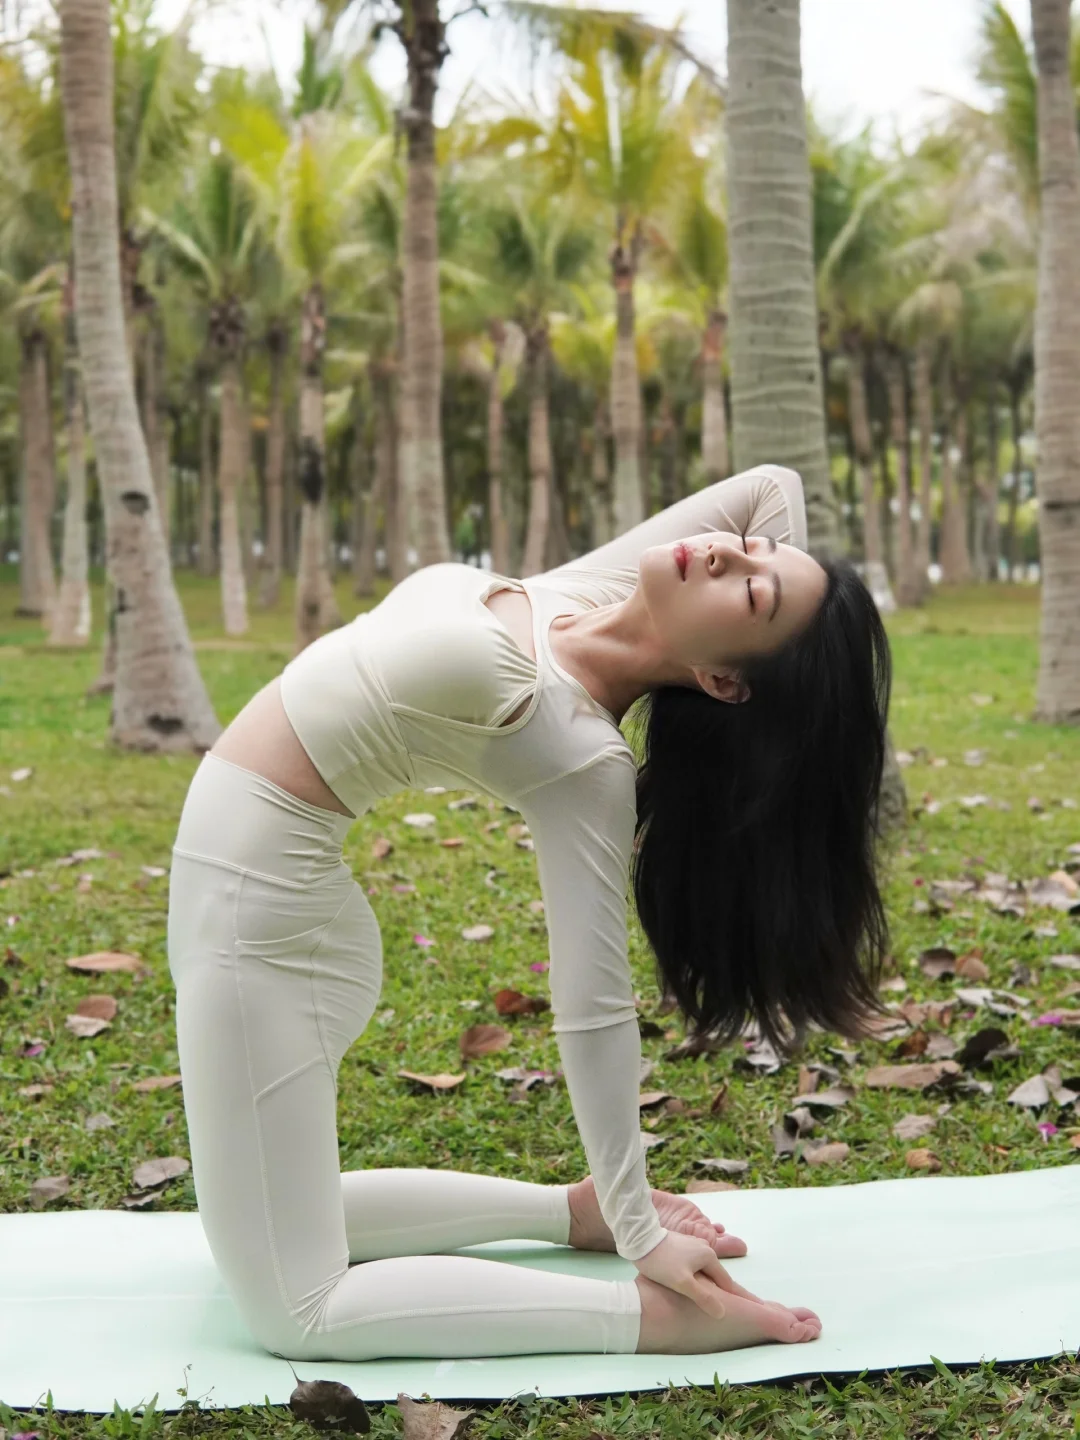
(82, 794)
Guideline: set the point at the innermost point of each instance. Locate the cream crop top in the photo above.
(410, 694)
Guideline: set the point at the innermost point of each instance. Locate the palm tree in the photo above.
(1057, 363)
(160, 701)
(215, 239)
(776, 399)
(583, 343)
(71, 613)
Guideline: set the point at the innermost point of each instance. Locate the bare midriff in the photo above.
(261, 739)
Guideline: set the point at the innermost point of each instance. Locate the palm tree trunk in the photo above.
(273, 556)
(159, 700)
(777, 405)
(666, 437)
(532, 562)
(714, 446)
(877, 577)
(990, 489)
(895, 374)
(955, 560)
(71, 614)
(500, 529)
(924, 422)
(312, 578)
(230, 477)
(1057, 364)
(1011, 550)
(155, 415)
(603, 507)
(206, 558)
(626, 389)
(421, 453)
(37, 582)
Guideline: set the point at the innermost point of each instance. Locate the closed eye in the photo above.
(749, 587)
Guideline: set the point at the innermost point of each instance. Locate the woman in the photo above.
(767, 676)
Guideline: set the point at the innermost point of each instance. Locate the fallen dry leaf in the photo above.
(513, 1002)
(477, 932)
(49, 1187)
(913, 1127)
(35, 1092)
(431, 1422)
(937, 961)
(1065, 962)
(419, 820)
(651, 1097)
(329, 1405)
(1032, 1094)
(909, 1077)
(1066, 881)
(922, 1160)
(152, 1173)
(84, 1026)
(809, 1078)
(103, 961)
(918, 1012)
(480, 1040)
(972, 967)
(435, 1082)
(381, 848)
(156, 1082)
(454, 842)
(726, 1167)
(912, 1046)
(825, 1152)
(831, 1098)
(706, 1187)
(101, 1007)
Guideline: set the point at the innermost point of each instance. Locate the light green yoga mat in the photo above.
(103, 1306)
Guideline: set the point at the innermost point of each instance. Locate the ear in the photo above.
(726, 685)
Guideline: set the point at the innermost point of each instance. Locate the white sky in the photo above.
(862, 59)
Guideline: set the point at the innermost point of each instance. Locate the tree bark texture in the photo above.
(206, 561)
(37, 493)
(778, 412)
(71, 613)
(536, 359)
(155, 412)
(159, 699)
(626, 391)
(421, 453)
(955, 560)
(500, 529)
(603, 500)
(274, 552)
(923, 387)
(908, 592)
(1057, 365)
(989, 490)
(877, 577)
(312, 578)
(714, 441)
(231, 454)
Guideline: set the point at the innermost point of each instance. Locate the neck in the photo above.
(616, 654)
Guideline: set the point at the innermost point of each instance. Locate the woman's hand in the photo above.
(689, 1266)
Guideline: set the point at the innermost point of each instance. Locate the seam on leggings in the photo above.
(274, 1084)
(424, 1224)
(311, 981)
(239, 869)
(487, 1309)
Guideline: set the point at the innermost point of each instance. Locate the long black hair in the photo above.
(754, 868)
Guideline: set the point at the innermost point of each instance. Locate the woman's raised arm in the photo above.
(767, 500)
(582, 827)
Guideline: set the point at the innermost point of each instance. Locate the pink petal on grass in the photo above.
(540, 966)
(1047, 1130)
(1051, 1019)
(423, 940)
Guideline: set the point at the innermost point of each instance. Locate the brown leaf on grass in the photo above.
(434, 1082)
(706, 1187)
(912, 1046)
(1066, 881)
(836, 1095)
(1032, 1094)
(480, 1040)
(103, 961)
(101, 1007)
(84, 1026)
(909, 1077)
(1064, 962)
(809, 1078)
(726, 1167)
(329, 1405)
(652, 1097)
(884, 1027)
(718, 1104)
(453, 842)
(381, 847)
(937, 961)
(940, 1047)
(35, 1092)
(513, 1002)
(48, 1187)
(825, 1152)
(918, 1012)
(913, 1127)
(152, 1173)
(156, 1082)
(972, 967)
(431, 1422)
(922, 1160)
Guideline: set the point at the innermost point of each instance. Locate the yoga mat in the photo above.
(106, 1305)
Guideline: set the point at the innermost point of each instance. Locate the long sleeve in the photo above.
(582, 827)
(767, 500)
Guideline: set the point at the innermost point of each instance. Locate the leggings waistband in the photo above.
(238, 818)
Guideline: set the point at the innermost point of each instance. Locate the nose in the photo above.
(721, 556)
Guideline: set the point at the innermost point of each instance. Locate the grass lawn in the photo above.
(81, 795)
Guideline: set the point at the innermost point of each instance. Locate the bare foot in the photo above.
(589, 1230)
(671, 1324)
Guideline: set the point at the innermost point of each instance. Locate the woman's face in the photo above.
(739, 598)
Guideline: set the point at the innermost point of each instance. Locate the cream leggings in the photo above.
(276, 956)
